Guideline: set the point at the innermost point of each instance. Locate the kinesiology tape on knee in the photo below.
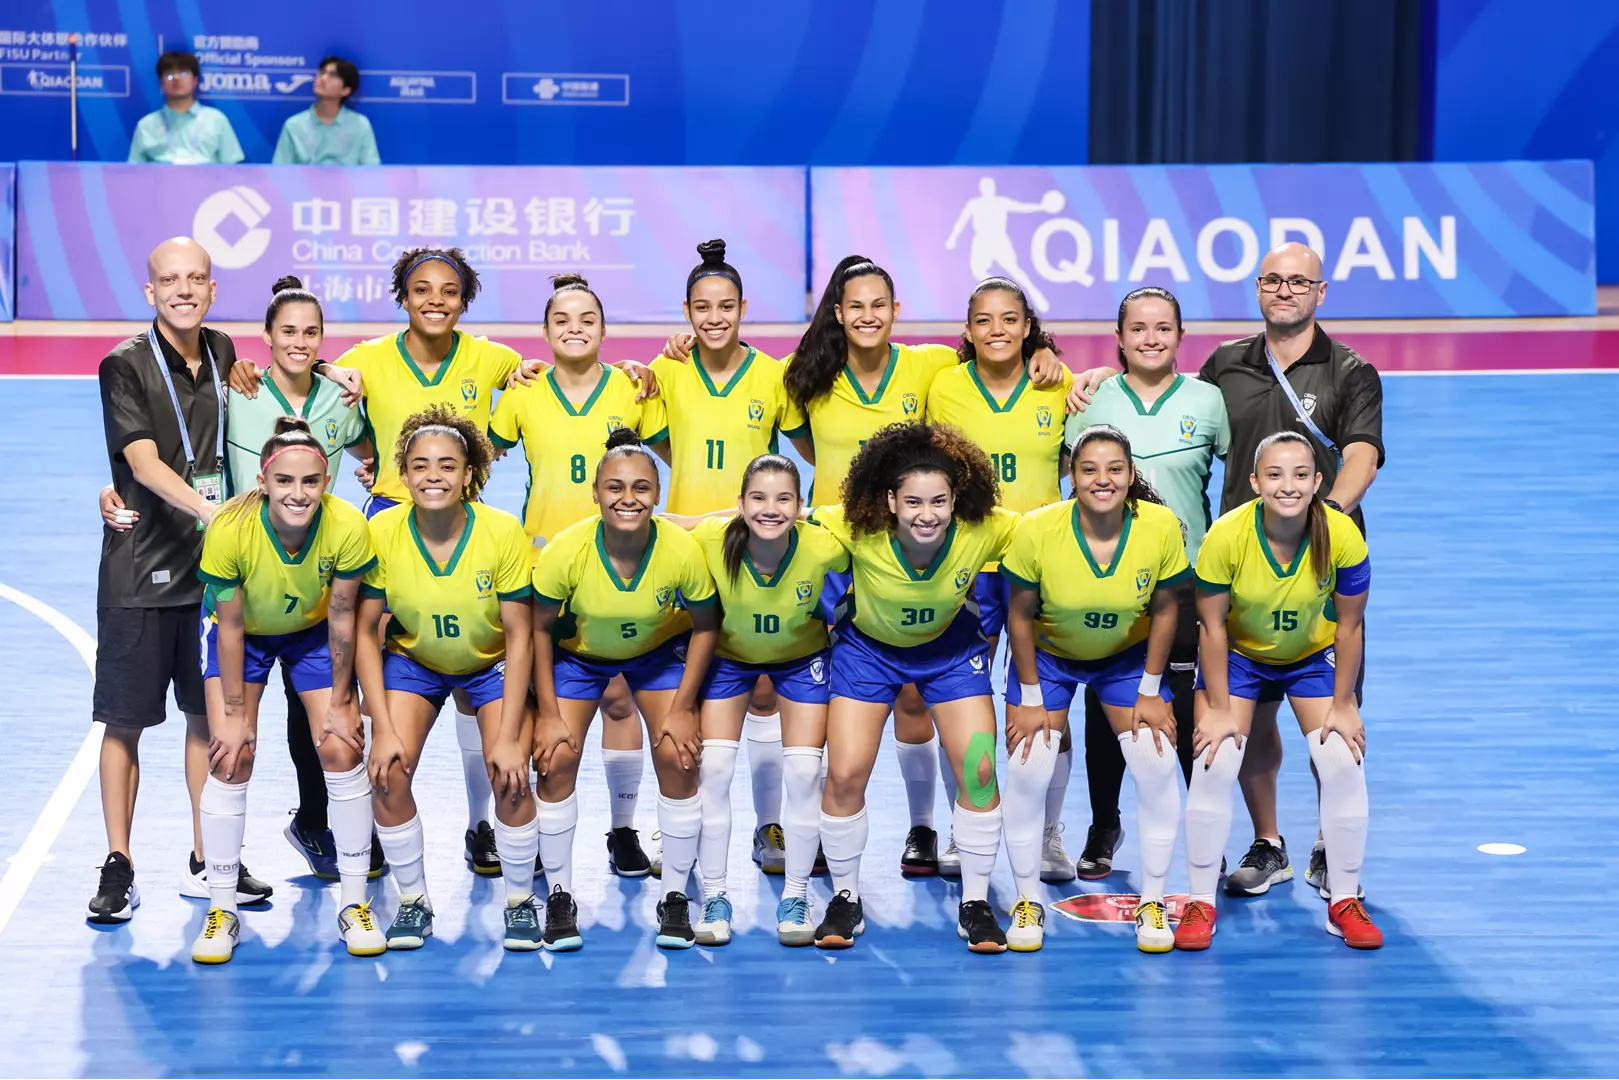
(979, 748)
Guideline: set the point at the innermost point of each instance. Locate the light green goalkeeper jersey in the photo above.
(249, 423)
(1174, 442)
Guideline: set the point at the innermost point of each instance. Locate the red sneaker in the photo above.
(1348, 919)
(1196, 926)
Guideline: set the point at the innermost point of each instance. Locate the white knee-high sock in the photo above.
(714, 789)
(517, 846)
(1344, 812)
(800, 815)
(764, 767)
(224, 820)
(844, 840)
(1208, 817)
(1058, 788)
(978, 838)
(348, 810)
(947, 773)
(918, 767)
(680, 820)
(406, 852)
(558, 820)
(1158, 807)
(1023, 809)
(623, 769)
(474, 774)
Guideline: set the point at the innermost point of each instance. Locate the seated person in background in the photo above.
(327, 133)
(183, 132)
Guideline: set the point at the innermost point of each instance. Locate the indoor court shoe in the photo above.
(770, 849)
(624, 855)
(561, 923)
(1348, 919)
(950, 859)
(250, 891)
(674, 922)
(412, 925)
(1028, 931)
(1153, 934)
(116, 897)
(523, 932)
(1096, 860)
(1056, 868)
(357, 926)
(921, 857)
(1196, 928)
(480, 854)
(1316, 875)
(845, 920)
(1265, 865)
(977, 926)
(220, 930)
(318, 849)
(714, 927)
(793, 926)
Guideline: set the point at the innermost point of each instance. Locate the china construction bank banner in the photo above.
(1397, 241)
(84, 232)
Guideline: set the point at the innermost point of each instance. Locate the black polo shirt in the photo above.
(1339, 390)
(155, 564)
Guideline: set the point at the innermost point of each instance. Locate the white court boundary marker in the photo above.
(36, 847)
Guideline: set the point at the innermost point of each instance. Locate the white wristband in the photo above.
(1149, 684)
(1032, 695)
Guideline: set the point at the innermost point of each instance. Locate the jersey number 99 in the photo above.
(1101, 620)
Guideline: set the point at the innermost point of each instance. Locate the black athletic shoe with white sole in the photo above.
(844, 921)
(116, 897)
(480, 854)
(674, 922)
(1265, 865)
(977, 925)
(250, 891)
(561, 923)
(921, 855)
(1096, 860)
(624, 855)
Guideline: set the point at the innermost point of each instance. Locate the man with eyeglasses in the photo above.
(183, 131)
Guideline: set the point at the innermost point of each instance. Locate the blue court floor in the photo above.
(1492, 702)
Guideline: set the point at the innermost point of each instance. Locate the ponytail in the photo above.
(734, 543)
(1141, 489)
(824, 348)
(291, 433)
(1320, 530)
(290, 290)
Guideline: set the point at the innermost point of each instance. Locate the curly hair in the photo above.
(442, 419)
(1039, 337)
(899, 450)
(457, 259)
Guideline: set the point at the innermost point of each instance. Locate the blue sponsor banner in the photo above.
(8, 242)
(51, 80)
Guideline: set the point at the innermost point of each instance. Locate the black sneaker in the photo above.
(250, 891)
(480, 851)
(674, 922)
(379, 861)
(561, 923)
(1316, 875)
(1265, 865)
(116, 897)
(1096, 861)
(845, 920)
(976, 924)
(624, 855)
(921, 857)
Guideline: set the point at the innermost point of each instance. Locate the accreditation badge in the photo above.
(211, 486)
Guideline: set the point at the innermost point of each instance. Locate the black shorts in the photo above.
(140, 652)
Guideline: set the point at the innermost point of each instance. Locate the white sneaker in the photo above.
(1055, 865)
(194, 885)
(1153, 934)
(1028, 930)
(770, 849)
(655, 855)
(220, 932)
(357, 925)
(950, 859)
(714, 926)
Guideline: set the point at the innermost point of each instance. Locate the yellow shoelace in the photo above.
(1155, 914)
(1024, 915)
(774, 835)
(364, 918)
(214, 925)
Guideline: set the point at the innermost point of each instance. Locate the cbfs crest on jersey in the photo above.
(909, 404)
(1042, 419)
(1143, 579)
(963, 577)
(485, 581)
(804, 590)
(1188, 428)
(469, 394)
(756, 414)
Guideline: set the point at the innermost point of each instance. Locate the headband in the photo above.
(313, 449)
(437, 429)
(716, 272)
(445, 259)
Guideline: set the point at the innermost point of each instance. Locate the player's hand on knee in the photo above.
(1213, 728)
(231, 747)
(1153, 713)
(681, 728)
(387, 754)
(1343, 717)
(508, 764)
(344, 723)
(551, 733)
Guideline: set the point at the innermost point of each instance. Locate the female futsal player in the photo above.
(614, 593)
(1282, 585)
(1093, 602)
(283, 564)
(991, 397)
(770, 569)
(919, 519)
(452, 574)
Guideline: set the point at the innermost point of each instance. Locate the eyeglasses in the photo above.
(176, 76)
(1296, 285)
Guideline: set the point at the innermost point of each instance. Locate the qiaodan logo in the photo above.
(247, 207)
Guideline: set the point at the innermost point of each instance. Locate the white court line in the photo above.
(36, 848)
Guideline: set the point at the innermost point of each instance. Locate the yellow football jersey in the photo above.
(841, 420)
(283, 592)
(605, 617)
(1022, 435)
(715, 431)
(395, 389)
(771, 620)
(898, 604)
(1087, 611)
(447, 618)
(1279, 614)
(563, 443)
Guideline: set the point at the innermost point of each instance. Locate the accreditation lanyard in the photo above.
(1298, 407)
(209, 485)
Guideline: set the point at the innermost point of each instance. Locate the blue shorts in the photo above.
(400, 672)
(836, 592)
(376, 504)
(303, 653)
(952, 666)
(579, 678)
(804, 680)
(1116, 679)
(1311, 677)
(993, 593)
